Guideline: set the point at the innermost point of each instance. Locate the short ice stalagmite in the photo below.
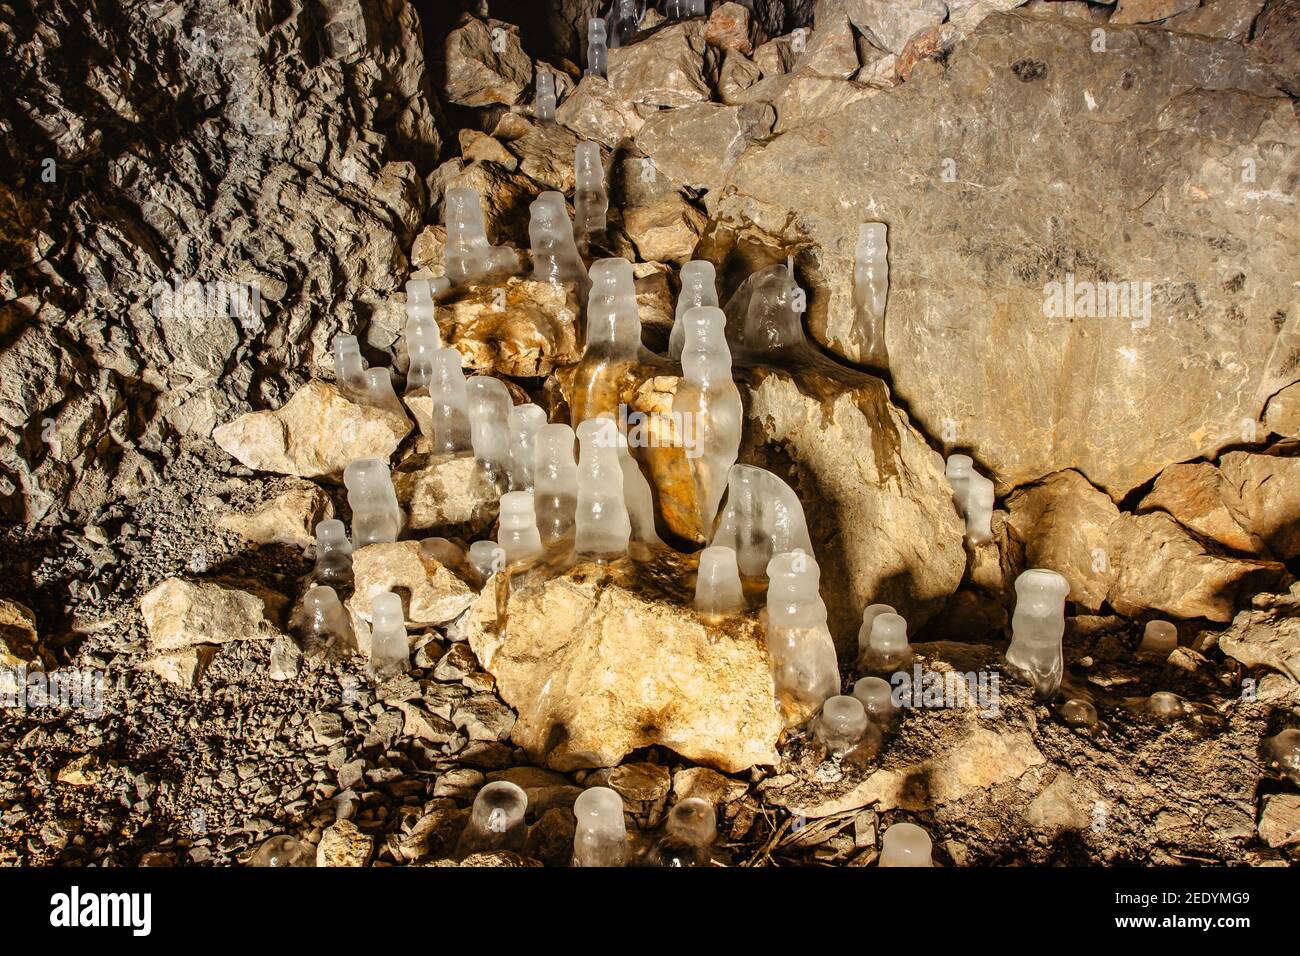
(376, 515)
(389, 649)
(517, 530)
(887, 648)
(708, 405)
(544, 98)
(489, 405)
(449, 423)
(718, 590)
(597, 47)
(804, 667)
(602, 526)
(496, 821)
(525, 422)
(550, 237)
(905, 844)
(333, 554)
(555, 483)
(322, 623)
(699, 288)
(600, 837)
(841, 724)
(349, 366)
(1037, 627)
(613, 340)
(590, 197)
(762, 518)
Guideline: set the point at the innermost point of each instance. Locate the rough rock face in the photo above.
(440, 491)
(318, 432)
(1268, 636)
(597, 669)
(486, 65)
(594, 111)
(697, 145)
(288, 518)
(519, 327)
(668, 68)
(19, 641)
(180, 613)
(431, 594)
(290, 170)
(973, 354)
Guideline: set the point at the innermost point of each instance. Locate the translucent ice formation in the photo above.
(525, 422)
(349, 366)
(423, 337)
(284, 851)
(1078, 712)
(447, 553)
(496, 821)
(762, 518)
(675, 9)
(708, 403)
(1282, 755)
(550, 236)
(379, 391)
(450, 415)
(323, 624)
(468, 256)
(958, 470)
(1037, 627)
(613, 339)
(870, 289)
(696, 8)
(698, 289)
(489, 425)
(389, 649)
(517, 531)
(601, 521)
(841, 724)
(877, 698)
(590, 198)
(486, 558)
(333, 553)
(869, 615)
(544, 102)
(718, 591)
(979, 509)
(690, 830)
(600, 838)
(765, 308)
(905, 844)
(624, 20)
(799, 644)
(1164, 705)
(597, 47)
(637, 496)
(887, 648)
(376, 515)
(1159, 640)
(555, 483)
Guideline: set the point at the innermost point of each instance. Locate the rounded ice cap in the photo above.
(905, 844)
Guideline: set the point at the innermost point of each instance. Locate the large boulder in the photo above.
(1176, 193)
(601, 662)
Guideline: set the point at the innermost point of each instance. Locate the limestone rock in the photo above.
(1282, 416)
(479, 147)
(831, 50)
(1046, 394)
(667, 68)
(442, 491)
(430, 593)
(179, 613)
(889, 24)
(597, 669)
(544, 150)
(1195, 495)
(1275, 37)
(288, 518)
(486, 65)
(1265, 492)
(519, 327)
(1066, 525)
(505, 196)
(429, 251)
(1223, 19)
(729, 28)
(317, 432)
(666, 230)
(697, 145)
(1267, 637)
(1279, 824)
(19, 641)
(183, 667)
(342, 844)
(1149, 11)
(595, 112)
(737, 74)
(1062, 805)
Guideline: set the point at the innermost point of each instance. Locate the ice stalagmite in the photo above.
(544, 101)
(689, 833)
(379, 391)
(555, 483)
(389, 649)
(525, 422)
(613, 340)
(870, 289)
(887, 649)
(765, 309)
(979, 509)
(489, 426)
(597, 47)
(517, 532)
(1037, 627)
(349, 366)
(804, 666)
(841, 724)
(699, 288)
(550, 237)
(423, 336)
(376, 515)
(600, 837)
(708, 403)
(637, 495)
(1159, 640)
(487, 558)
(333, 554)
(762, 518)
(590, 197)
(468, 256)
(905, 844)
(496, 821)
(624, 20)
(322, 623)
(450, 416)
(958, 470)
(718, 591)
(877, 697)
(602, 526)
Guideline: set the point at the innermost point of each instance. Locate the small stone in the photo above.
(19, 641)
(288, 518)
(665, 69)
(342, 844)
(1279, 824)
(486, 64)
(180, 613)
